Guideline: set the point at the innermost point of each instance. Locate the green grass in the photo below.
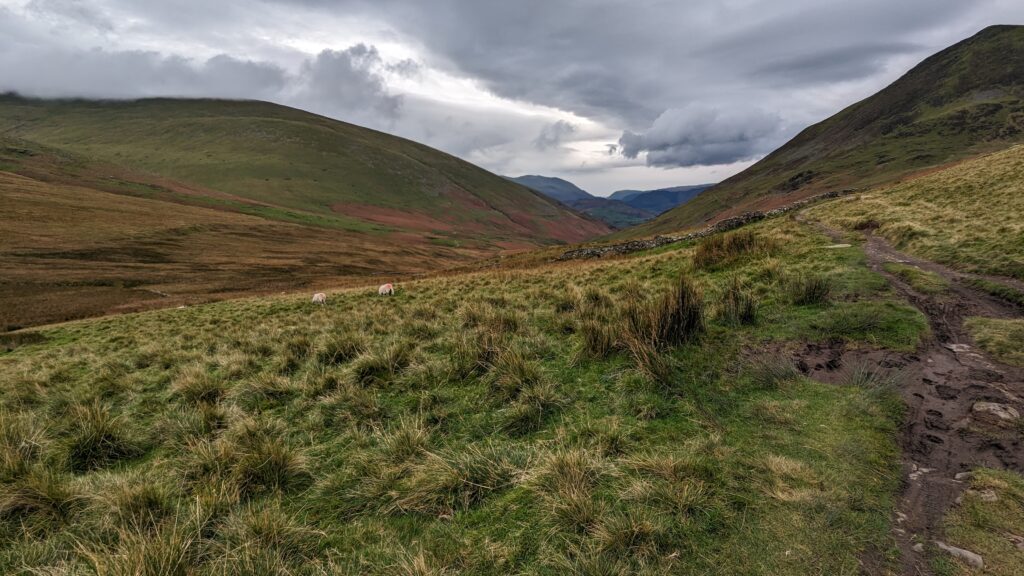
(921, 280)
(1003, 339)
(985, 526)
(464, 426)
(998, 290)
(969, 216)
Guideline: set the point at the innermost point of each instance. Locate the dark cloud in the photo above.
(702, 136)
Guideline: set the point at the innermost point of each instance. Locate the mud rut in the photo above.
(940, 383)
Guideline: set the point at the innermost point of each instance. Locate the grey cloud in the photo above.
(626, 62)
(552, 135)
(133, 74)
(833, 65)
(349, 82)
(70, 12)
(701, 136)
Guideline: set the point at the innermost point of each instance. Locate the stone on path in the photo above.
(969, 558)
(995, 413)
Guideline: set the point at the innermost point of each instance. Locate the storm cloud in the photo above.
(695, 89)
(703, 136)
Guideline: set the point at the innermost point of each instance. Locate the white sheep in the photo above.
(320, 298)
(386, 290)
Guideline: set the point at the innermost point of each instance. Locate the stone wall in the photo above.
(718, 227)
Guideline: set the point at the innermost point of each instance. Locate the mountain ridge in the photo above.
(961, 102)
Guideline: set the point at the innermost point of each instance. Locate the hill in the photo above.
(969, 216)
(961, 102)
(660, 200)
(612, 212)
(176, 201)
(562, 190)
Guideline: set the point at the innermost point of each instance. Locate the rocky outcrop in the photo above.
(716, 228)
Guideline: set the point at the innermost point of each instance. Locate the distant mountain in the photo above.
(962, 102)
(612, 212)
(660, 200)
(562, 190)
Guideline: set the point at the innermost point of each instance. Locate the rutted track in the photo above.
(944, 432)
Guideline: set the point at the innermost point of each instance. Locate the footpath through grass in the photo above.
(614, 417)
(969, 216)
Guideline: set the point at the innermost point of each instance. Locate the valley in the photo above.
(815, 366)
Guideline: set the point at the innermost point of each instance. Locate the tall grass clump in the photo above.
(771, 372)
(674, 319)
(252, 457)
(267, 527)
(23, 440)
(339, 348)
(721, 249)
(196, 385)
(382, 365)
(809, 290)
(40, 500)
(457, 479)
(97, 438)
(737, 306)
(135, 502)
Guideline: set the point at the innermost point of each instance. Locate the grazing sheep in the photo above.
(320, 298)
(386, 290)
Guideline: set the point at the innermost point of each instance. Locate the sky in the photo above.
(610, 94)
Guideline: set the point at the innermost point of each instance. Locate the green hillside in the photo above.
(297, 161)
(116, 206)
(963, 101)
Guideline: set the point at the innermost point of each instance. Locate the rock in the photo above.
(1016, 540)
(987, 495)
(961, 476)
(968, 557)
(995, 413)
(833, 246)
(919, 548)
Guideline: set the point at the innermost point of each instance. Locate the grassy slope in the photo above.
(969, 216)
(474, 424)
(958, 103)
(293, 160)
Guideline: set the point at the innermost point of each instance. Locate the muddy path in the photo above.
(955, 396)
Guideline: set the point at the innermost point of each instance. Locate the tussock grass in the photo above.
(461, 428)
(339, 348)
(98, 438)
(809, 290)
(772, 371)
(40, 500)
(382, 365)
(23, 442)
(723, 249)
(737, 305)
(195, 384)
(450, 481)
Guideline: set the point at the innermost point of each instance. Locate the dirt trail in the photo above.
(944, 432)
